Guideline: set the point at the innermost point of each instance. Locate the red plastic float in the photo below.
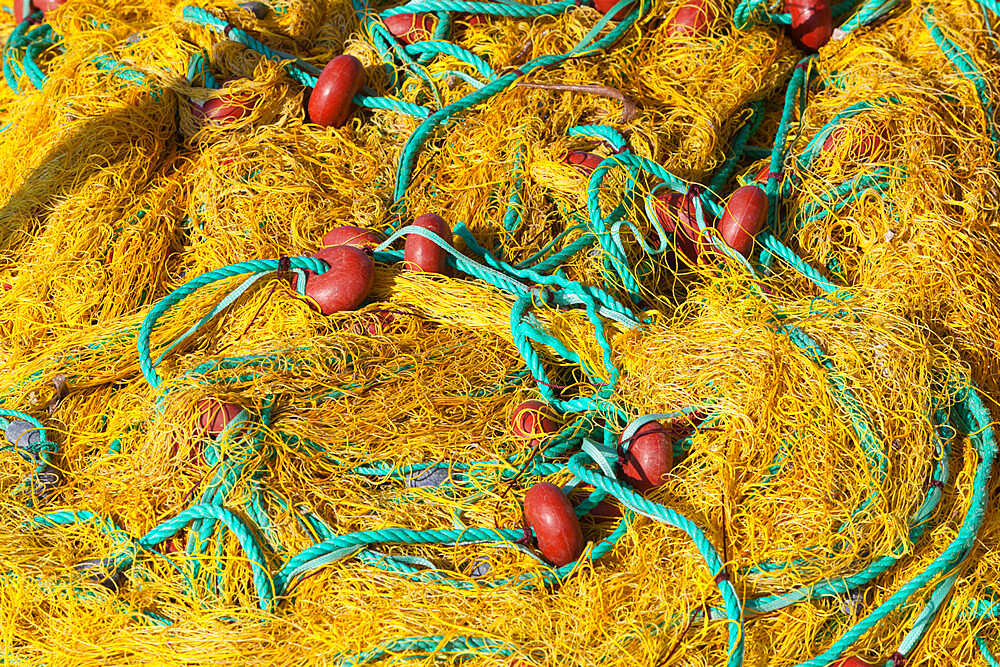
(743, 218)
(692, 19)
(764, 175)
(605, 6)
(195, 455)
(677, 214)
(851, 662)
(346, 284)
(331, 101)
(422, 254)
(174, 545)
(863, 146)
(533, 419)
(224, 109)
(584, 162)
(649, 456)
(669, 209)
(48, 6)
(410, 28)
(549, 512)
(812, 23)
(362, 239)
(373, 323)
(332, 255)
(689, 238)
(22, 9)
(214, 415)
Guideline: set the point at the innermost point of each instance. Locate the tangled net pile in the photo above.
(827, 392)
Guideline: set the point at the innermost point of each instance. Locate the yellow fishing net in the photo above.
(827, 397)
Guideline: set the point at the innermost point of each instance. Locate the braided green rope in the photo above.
(428, 646)
(262, 580)
(984, 651)
(637, 503)
(257, 266)
(421, 134)
(509, 10)
(455, 51)
(984, 439)
(23, 36)
(964, 65)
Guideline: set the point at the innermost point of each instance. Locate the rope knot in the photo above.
(544, 295)
(284, 266)
(527, 538)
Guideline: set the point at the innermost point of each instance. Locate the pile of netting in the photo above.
(762, 238)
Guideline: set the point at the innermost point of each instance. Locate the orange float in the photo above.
(362, 239)
(584, 162)
(214, 415)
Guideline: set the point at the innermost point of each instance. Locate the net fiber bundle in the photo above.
(826, 393)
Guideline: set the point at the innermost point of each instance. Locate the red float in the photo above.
(649, 456)
(605, 511)
(533, 419)
(48, 6)
(346, 284)
(851, 662)
(812, 23)
(743, 218)
(214, 415)
(692, 19)
(471, 19)
(764, 175)
(605, 6)
(224, 109)
(174, 545)
(22, 9)
(410, 28)
(195, 455)
(362, 239)
(332, 100)
(861, 147)
(677, 214)
(584, 162)
(557, 530)
(373, 323)
(669, 208)
(422, 254)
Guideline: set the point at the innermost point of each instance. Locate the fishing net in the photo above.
(199, 466)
